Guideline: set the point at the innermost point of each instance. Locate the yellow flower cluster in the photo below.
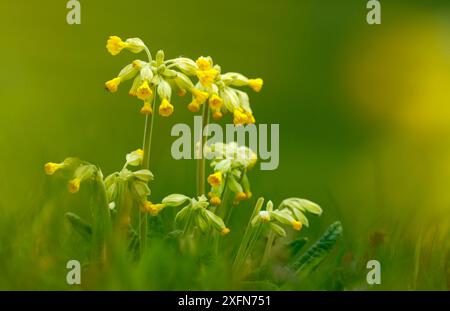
(80, 172)
(157, 78)
(206, 74)
(218, 89)
(150, 79)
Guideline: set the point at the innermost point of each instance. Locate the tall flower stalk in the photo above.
(147, 146)
(201, 166)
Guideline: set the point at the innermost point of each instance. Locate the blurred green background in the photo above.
(364, 114)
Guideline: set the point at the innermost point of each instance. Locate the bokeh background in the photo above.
(364, 114)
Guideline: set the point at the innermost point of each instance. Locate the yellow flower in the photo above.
(140, 152)
(146, 108)
(194, 106)
(74, 185)
(240, 196)
(217, 115)
(115, 45)
(181, 92)
(250, 117)
(215, 102)
(255, 84)
(215, 179)
(165, 108)
(136, 64)
(215, 201)
(205, 73)
(248, 195)
(151, 208)
(50, 168)
(239, 117)
(144, 91)
(204, 63)
(113, 84)
(297, 225)
(207, 77)
(200, 96)
(225, 231)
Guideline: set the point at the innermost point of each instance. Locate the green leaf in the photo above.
(80, 226)
(318, 252)
(296, 245)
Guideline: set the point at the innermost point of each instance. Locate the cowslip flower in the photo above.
(115, 45)
(135, 157)
(195, 212)
(215, 201)
(143, 91)
(152, 209)
(206, 74)
(230, 163)
(297, 225)
(289, 212)
(224, 98)
(136, 182)
(155, 78)
(165, 93)
(79, 170)
(215, 102)
(219, 88)
(225, 231)
(83, 172)
(146, 108)
(51, 167)
(165, 108)
(113, 84)
(255, 84)
(74, 185)
(215, 179)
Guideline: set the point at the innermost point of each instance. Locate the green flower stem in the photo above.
(149, 55)
(248, 240)
(268, 248)
(148, 132)
(201, 161)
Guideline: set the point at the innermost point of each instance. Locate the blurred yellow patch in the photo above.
(400, 75)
